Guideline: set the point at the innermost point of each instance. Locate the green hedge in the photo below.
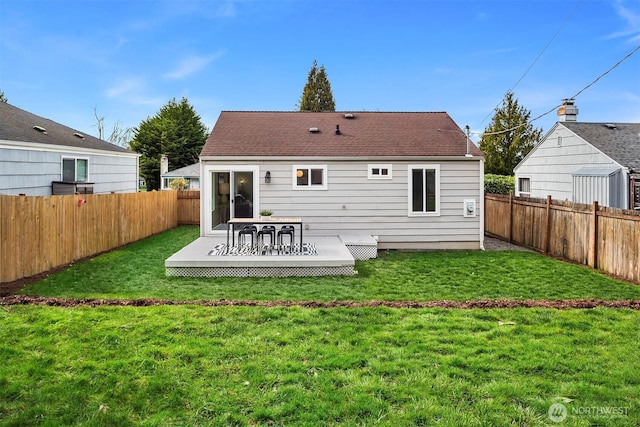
(499, 184)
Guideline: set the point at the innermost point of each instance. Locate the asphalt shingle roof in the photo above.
(620, 141)
(366, 134)
(190, 170)
(18, 125)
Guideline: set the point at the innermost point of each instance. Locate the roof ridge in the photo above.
(335, 112)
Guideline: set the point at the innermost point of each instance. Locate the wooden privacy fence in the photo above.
(189, 207)
(600, 237)
(39, 233)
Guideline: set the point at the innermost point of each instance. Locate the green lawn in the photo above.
(137, 271)
(194, 365)
(190, 365)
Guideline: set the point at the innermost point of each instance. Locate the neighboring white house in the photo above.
(584, 162)
(38, 156)
(190, 173)
(412, 180)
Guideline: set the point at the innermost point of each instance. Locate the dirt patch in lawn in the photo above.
(497, 303)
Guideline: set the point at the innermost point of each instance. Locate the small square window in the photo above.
(313, 177)
(75, 169)
(379, 172)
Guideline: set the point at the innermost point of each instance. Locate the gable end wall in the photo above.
(550, 166)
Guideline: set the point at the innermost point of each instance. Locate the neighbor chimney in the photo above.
(567, 112)
(164, 164)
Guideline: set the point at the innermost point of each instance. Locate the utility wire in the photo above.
(539, 55)
(627, 56)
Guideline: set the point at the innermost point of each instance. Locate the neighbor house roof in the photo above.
(189, 171)
(22, 126)
(361, 134)
(620, 141)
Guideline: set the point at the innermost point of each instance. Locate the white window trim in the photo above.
(518, 191)
(423, 166)
(379, 166)
(75, 167)
(206, 201)
(309, 187)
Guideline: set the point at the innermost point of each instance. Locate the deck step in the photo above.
(361, 246)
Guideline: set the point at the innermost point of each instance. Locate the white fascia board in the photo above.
(35, 146)
(316, 159)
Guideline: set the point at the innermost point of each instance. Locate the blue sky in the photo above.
(61, 58)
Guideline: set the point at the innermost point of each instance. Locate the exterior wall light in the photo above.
(267, 178)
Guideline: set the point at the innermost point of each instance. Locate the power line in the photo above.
(627, 56)
(539, 55)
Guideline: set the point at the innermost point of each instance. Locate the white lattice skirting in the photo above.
(362, 252)
(259, 271)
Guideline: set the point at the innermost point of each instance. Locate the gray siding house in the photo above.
(411, 180)
(38, 156)
(190, 173)
(583, 163)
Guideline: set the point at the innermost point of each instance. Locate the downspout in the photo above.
(481, 200)
(627, 202)
(205, 186)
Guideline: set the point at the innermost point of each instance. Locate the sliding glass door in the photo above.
(230, 192)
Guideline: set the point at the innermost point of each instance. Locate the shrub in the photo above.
(499, 184)
(179, 184)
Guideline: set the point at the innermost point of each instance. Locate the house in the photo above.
(39, 157)
(410, 180)
(190, 173)
(584, 162)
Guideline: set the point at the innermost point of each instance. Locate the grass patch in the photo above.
(137, 271)
(292, 366)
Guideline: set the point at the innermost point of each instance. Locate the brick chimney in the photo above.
(567, 112)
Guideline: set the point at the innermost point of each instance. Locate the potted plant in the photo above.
(266, 213)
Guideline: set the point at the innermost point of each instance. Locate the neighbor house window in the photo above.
(424, 190)
(380, 171)
(313, 177)
(74, 169)
(524, 187)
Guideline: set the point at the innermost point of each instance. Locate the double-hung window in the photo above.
(75, 169)
(424, 190)
(310, 177)
(524, 187)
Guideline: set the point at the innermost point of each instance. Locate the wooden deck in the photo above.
(333, 258)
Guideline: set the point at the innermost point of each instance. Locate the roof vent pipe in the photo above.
(338, 130)
(468, 131)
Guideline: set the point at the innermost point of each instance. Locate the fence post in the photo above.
(510, 214)
(547, 227)
(593, 241)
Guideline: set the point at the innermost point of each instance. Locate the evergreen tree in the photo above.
(317, 95)
(3, 97)
(176, 131)
(508, 138)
